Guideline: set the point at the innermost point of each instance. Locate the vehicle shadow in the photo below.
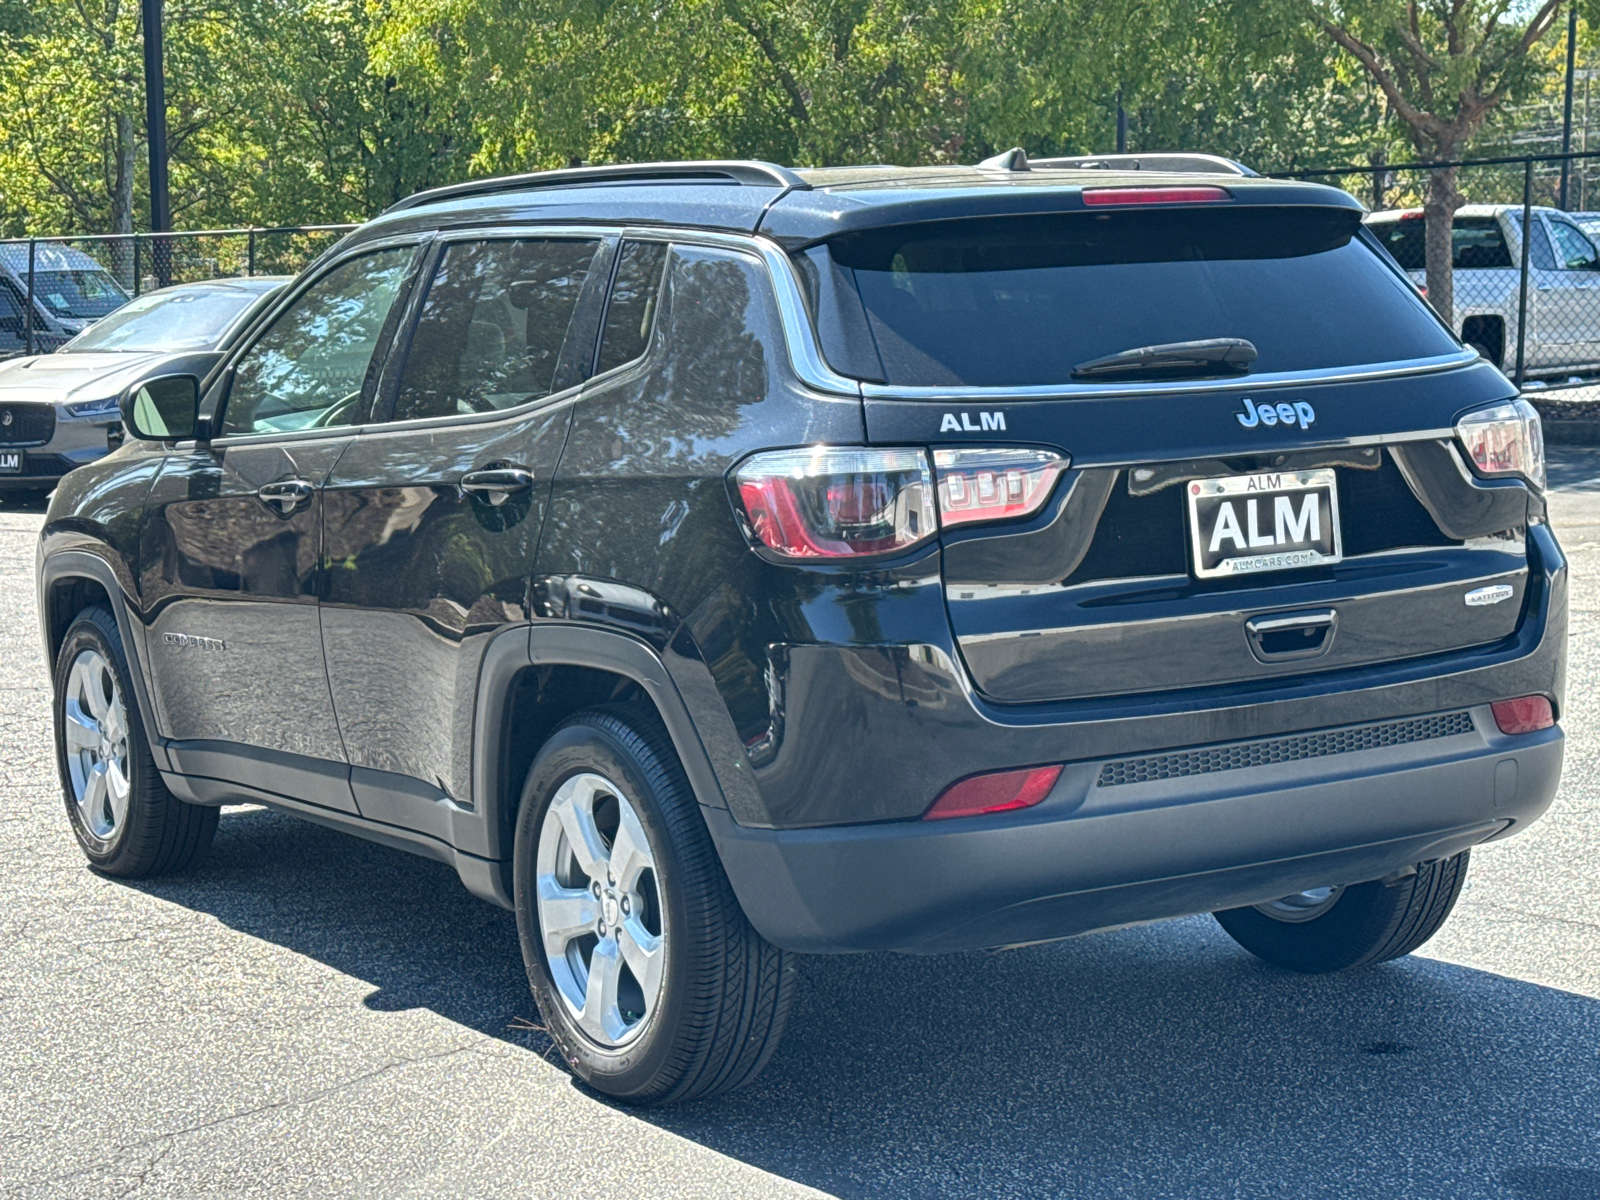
(1159, 1061)
(24, 502)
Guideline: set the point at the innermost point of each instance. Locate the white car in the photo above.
(1563, 283)
(59, 411)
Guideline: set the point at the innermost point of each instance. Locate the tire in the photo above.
(1350, 927)
(706, 1016)
(149, 831)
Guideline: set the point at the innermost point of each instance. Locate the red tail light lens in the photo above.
(993, 485)
(1525, 714)
(1154, 195)
(1505, 439)
(999, 792)
(837, 502)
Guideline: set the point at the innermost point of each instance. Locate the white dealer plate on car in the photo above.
(1274, 521)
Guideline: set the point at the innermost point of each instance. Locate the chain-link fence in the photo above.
(51, 288)
(1531, 305)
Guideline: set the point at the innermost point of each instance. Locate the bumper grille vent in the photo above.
(1240, 755)
(26, 424)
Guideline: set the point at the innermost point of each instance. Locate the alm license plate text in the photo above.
(1274, 521)
(10, 462)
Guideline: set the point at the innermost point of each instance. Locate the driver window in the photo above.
(1574, 250)
(493, 327)
(309, 369)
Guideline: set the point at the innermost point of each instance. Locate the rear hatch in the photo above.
(1310, 512)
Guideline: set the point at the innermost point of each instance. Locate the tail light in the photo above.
(993, 485)
(1505, 439)
(1099, 197)
(1001, 791)
(837, 502)
(1525, 714)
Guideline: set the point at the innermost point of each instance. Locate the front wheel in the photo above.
(122, 814)
(652, 983)
(1340, 928)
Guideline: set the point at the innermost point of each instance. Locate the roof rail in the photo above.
(1186, 164)
(748, 172)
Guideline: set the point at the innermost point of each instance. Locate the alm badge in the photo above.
(986, 422)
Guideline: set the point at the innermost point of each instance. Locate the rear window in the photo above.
(1020, 301)
(1474, 242)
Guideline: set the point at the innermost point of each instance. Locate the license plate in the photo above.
(1274, 521)
(10, 462)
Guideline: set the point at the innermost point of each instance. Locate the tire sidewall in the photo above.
(88, 632)
(627, 1070)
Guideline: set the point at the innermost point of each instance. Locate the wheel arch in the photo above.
(69, 582)
(533, 678)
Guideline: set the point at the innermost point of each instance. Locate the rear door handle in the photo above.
(497, 484)
(287, 495)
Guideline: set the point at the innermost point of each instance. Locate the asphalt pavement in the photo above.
(309, 1014)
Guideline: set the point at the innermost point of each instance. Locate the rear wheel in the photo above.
(1340, 928)
(122, 814)
(651, 981)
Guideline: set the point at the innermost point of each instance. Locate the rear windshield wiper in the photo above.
(1206, 356)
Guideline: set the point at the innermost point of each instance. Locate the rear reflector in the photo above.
(999, 792)
(1154, 195)
(1525, 714)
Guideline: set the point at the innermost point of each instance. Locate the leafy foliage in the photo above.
(287, 111)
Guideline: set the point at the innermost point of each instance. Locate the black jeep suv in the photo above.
(716, 562)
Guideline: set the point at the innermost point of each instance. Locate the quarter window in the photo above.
(310, 369)
(494, 326)
(631, 313)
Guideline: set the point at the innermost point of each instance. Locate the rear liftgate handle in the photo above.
(1284, 637)
(497, 484)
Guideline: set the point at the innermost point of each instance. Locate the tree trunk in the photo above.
(122, 200)
(1439, 212)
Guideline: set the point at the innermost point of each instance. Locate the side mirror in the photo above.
(163, 409)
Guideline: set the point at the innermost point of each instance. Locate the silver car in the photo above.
(59, 411)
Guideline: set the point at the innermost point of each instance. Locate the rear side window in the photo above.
(493, 326)
(631, 311)
(1021, 301)
(1474, 242)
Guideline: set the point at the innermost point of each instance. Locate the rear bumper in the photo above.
(1094, 857)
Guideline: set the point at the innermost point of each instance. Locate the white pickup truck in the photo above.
(1563, 283)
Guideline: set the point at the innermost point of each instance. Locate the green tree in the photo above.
(1444, 67)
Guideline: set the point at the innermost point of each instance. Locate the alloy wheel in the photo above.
(601, 919)
(1302, 906)
(95, 724)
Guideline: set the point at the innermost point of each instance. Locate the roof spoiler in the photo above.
(736, 171)
(1016, 159)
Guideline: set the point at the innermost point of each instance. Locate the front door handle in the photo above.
(497, 484)
(288, 496)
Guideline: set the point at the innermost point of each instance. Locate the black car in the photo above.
(715, 562)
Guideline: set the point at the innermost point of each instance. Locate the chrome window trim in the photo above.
(809, 366)
(1108, 391)
(805, 357)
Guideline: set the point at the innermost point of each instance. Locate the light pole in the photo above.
(1566, 113)
(155, 120)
